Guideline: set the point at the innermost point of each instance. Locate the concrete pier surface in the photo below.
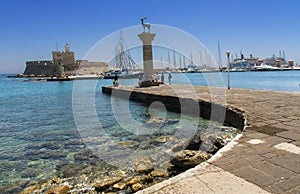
(264, 158)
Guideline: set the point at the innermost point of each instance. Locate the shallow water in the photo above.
(39, 138)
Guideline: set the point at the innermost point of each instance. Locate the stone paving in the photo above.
(266, 158)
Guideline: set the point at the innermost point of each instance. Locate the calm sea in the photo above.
(38, 135)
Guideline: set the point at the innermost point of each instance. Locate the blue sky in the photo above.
(30, 29)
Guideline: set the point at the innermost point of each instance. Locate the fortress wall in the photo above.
(50, 68)
(47, 68)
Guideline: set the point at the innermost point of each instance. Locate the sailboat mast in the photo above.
(200, 58)
(192, 62)
(180, 65)
(169, 60)
(174, 59)
(121, 52)
(220, 56)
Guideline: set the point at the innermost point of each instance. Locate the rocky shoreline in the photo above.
(144, 172)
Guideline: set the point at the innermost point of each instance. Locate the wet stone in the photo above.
(189, 158)
(159, 140)
(54, 155)
(195, 143)
(64, 189)
(143, 165)
(56, 180)
(147, 178)
(70, 170)
(119, 186)
(31, 172)
(128, 144)
(30, 189)
(133, 180)
(159, 173)
(136, 187)
(105, 183)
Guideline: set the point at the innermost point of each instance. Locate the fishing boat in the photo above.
(123, 66)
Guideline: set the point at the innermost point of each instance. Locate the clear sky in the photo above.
(30, 29)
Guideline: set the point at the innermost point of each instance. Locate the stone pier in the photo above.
(265, 158)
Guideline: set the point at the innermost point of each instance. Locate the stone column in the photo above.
(147, 38)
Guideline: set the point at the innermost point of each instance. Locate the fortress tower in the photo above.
(64, 58)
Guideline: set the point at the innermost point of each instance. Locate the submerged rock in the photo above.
(136, 187)
(160, 120)
(105, 183)
(128, 144)
(186, 159)
(119, 186)
(159, 173)
(147, 178)
(162, 139)
(64, 189)
(155, 120)
(143, 165)
(195, 143)
(31, 189)
(133, 180)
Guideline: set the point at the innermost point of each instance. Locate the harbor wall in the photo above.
(233, 117)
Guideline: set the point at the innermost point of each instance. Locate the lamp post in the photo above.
(228, 68)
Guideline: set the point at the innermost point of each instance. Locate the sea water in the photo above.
(38, 134)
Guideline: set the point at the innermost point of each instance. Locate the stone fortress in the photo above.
(63, 63)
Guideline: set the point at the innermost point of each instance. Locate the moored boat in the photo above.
(264, 67)
(123, 66)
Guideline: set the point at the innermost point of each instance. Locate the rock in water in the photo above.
(64, 189)
(195, 143)
(187, 159)
(143, 165)
(119, 186)
(136, 187)
(105, 183)
(30, 189)
(155, 120)
(133, 180)
(159, 173)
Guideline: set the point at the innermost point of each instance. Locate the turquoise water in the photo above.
(39, 139)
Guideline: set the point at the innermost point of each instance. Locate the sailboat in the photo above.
(125, 67)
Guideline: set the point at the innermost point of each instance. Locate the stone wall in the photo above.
(50, 68)
(45, 68)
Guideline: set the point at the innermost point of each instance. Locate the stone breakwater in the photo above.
(211, 101)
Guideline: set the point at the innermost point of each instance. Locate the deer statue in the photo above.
(145, 25)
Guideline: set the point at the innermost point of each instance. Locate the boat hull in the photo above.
(128, 76)
(59, 79)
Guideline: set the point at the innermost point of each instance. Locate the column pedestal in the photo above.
(147, 39)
